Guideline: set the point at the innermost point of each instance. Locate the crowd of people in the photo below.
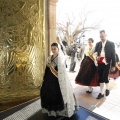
(98, 64)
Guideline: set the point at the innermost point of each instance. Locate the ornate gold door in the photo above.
(22, 46)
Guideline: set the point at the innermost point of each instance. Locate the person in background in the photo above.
(87, 74)
(78, 53)
(65, 43)
(115, 74)
(72, 57)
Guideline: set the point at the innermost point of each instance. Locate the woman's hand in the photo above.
(98, 58)
(112, 69)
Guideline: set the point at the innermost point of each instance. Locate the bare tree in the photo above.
(72, 29)
(118, 44)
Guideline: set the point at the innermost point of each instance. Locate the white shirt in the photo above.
(103, 52)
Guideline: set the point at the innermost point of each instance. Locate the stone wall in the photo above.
(50, 24)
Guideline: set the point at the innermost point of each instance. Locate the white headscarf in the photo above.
(65, 85)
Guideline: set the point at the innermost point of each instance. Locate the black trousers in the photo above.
(103, 71)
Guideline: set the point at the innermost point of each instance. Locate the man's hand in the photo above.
(112, 69)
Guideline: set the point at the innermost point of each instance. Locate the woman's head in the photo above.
(54, 48)
(90, 41)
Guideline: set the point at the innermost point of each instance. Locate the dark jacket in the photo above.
(109, 51)
(116, 69)
(117, 58)
(73, 50)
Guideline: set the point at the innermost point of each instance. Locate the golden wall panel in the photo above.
(22, 49)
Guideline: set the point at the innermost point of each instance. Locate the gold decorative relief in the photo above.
(22, 48)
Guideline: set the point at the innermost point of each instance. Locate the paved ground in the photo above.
(31, 110)
(108, 107)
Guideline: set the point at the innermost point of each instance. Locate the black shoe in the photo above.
(100, 96)
(89, 92)
(107, 92)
